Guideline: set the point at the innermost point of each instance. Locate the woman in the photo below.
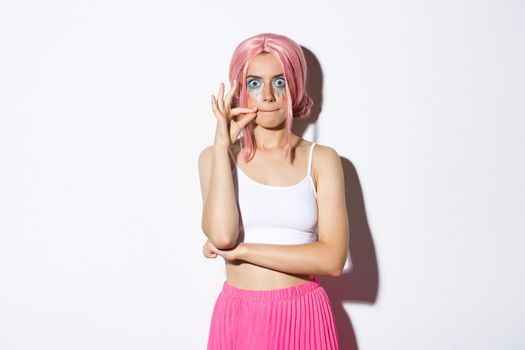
(275, 227)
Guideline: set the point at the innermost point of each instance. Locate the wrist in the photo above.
(221, 146)
(243, 251)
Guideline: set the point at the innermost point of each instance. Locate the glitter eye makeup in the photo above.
(279, 82)
(255, 86)
(279, 86)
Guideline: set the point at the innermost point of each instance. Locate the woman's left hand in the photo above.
(228, 254)
(207, 250)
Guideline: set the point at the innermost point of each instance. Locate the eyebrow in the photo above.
(256, 76)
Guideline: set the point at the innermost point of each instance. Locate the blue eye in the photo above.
(279, 82)
(254, 84)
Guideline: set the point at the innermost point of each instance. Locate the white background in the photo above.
(104, 108)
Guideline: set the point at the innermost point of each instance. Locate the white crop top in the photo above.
(276, 214)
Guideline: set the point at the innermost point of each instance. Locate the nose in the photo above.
(268, 93)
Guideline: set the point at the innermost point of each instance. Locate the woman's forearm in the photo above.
(315, 258)
(220, 216)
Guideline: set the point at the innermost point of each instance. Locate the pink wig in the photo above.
(291, 56)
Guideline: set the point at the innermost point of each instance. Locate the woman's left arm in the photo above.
(328, 255)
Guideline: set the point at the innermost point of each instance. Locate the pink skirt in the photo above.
(298, 317)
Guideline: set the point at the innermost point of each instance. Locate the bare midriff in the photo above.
(242, 274)
(245, 275)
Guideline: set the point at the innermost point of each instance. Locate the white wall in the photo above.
(104, 108)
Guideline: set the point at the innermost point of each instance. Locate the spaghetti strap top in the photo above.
(276, 214)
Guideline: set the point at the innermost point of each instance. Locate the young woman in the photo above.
(273, 206)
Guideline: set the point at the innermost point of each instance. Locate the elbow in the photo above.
(223, 243)
(336, 269)
(221, 240)
(221, 236)
(333, 257)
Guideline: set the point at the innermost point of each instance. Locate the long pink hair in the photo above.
(291, 56)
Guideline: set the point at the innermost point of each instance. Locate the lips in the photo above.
(268, 110)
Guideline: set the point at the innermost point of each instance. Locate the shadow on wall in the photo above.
(361, 282)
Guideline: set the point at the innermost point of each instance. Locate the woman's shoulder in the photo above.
(207, 151)
(206, 154)
(323, 151)
(324, 158)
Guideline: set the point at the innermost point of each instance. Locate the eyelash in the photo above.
(251, 81)
(280, 79)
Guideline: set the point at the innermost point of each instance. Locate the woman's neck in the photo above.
(266, 139)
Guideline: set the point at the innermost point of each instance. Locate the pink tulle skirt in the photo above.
(298, 317)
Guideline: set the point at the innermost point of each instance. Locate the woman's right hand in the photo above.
(228, 129)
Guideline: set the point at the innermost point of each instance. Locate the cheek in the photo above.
(279, 92)
(253, 96)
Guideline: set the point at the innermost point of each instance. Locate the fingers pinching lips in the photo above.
(222, 105)
(241, 110)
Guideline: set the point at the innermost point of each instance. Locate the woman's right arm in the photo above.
(220, 216)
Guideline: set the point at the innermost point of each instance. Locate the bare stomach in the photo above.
(245, 275)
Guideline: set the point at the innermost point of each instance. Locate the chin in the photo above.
(269, 125)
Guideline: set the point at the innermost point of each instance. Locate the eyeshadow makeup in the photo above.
(279, 86)
(254, 87)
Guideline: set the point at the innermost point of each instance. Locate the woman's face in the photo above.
(266, 89)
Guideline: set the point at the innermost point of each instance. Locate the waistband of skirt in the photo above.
(270, 294)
